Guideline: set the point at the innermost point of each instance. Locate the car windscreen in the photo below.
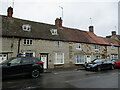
(98, 61)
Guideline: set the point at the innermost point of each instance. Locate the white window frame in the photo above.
(58, 43)
(80, 59)
(28, 42)
(114, 56)
(56, 58)
(112, 46)
(26, 27)
(54, 31)
(24, 53)
(78, 46)
(96, 47)
(99, 56)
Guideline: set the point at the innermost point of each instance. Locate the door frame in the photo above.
(87, 57)
(46, 60)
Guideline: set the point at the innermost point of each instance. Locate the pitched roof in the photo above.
(103, 41)
(12, 27)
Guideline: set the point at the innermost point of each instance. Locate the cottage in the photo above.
(57, 46)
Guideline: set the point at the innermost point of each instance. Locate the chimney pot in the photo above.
(113, 33)
(91, 29)
(9, 11)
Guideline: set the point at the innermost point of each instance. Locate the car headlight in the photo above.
(94, 65)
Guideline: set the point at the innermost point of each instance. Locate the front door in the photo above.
(44, 58)
(88, 58)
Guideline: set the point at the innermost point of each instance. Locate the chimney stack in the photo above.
(58, 22)
(113, 33)
(9, 12)
(91, 29)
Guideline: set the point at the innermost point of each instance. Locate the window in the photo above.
(79, 59)
(97, 56)
(54, 31)
(114, 56)
(30, 54)
(26, 27)
(27, 60)
(28, 41)
(58, 43)
(112, 46)
(96, 47)
(15, 61)
(59, 58)
(78, 46)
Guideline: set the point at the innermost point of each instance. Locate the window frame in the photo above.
(112, 46)
(28, 42)
(80, 59)
(54, 31)
(96, 47)
(56, 58)
(58, 44)
(78, 46)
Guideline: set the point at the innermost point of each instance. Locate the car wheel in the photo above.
(98, 68)
(35, 73)
(112, 67)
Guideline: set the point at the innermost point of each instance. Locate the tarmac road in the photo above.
(66, 79)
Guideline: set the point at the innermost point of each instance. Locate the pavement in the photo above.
(63, 69)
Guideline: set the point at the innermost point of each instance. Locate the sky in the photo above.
(76, 13)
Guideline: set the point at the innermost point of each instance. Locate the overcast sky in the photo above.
(76, 13)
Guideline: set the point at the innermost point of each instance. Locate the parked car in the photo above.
(15, 66)
(99, 64)
(116, 62)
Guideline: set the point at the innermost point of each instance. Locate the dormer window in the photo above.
(54, 31)
(112, 46)
(26, 27)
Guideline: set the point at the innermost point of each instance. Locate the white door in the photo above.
(44, 59)
(3, 57)
(88, 58)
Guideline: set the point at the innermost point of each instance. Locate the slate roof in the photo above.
(12, 27)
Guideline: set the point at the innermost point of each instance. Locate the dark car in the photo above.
(116, 62)
(99, 64)
(15, 66)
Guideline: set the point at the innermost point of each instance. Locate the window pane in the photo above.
(79, 59)
(59, 58)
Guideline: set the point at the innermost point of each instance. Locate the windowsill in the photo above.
(58, 63)
(78, 48)
(96, 49)
(27, 44)
(78, 63)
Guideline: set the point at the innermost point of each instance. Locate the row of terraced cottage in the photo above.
(56, 45)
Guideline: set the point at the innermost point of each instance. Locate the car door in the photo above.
(26, 65)
(14, 66)
(104, 64)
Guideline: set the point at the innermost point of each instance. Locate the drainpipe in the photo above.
(18, 46)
